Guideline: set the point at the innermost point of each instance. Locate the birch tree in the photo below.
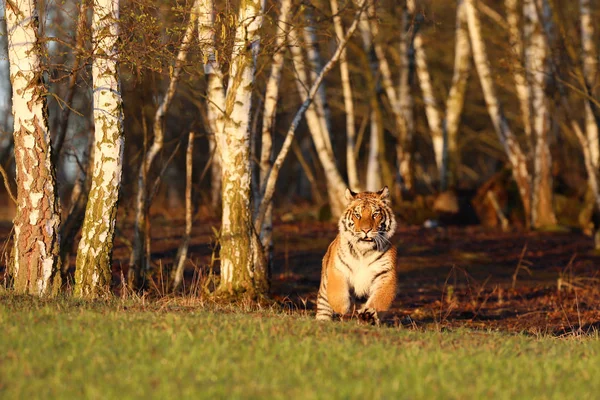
(432, 111)
(589, 57)
(35, 263)
(348, 103)
(139, 263)
(456, 98)
(93, 265)
(268, 125)
(231, 107)
(511, 147)
(317, 127)
(536, 13)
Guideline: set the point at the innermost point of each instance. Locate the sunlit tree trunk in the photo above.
(93, 270)
(268, 126)
(536, 64)
(432, 111)
(311, 45)
(590, 71)
(35, 263)
(373, 181)
(348, 103)
(456, 99)
(139, 264)
(335, 183)
(518, 69)
(182, 252)
(405, 105)
(507, 139)
(239, 244)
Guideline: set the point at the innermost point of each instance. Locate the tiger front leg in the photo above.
(383, 293)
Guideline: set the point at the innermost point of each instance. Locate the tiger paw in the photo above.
(369, 316)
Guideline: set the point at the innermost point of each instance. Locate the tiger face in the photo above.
(368, 221)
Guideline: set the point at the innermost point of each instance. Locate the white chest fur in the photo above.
(359, 268)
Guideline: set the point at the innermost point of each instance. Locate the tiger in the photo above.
(360, 264)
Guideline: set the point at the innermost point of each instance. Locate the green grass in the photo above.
(69, 349)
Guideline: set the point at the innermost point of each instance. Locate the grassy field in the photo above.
(166, 350)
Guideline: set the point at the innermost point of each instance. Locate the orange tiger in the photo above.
(360, 264)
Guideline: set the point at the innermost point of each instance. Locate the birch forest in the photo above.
(160, 145)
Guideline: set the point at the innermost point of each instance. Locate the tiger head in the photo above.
(368, 221)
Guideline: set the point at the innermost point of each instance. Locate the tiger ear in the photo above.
(350, 195)
(384, 194)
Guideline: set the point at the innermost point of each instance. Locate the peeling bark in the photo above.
(93, 269)
(35, 266)
(589, 57)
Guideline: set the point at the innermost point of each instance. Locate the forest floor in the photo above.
(454, 277)
(470, 277)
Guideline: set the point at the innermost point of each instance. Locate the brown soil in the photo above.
(448, 277)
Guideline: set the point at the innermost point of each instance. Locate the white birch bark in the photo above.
(374, 181)
(314, 62)
(183, 249)
(511, 146)
(35, 263)
(401, 101)
(335, 183)
(405, 105)
(215, 92)
(590, 70)
(351, 168)
(516, 44)
(536, 64)
(268, 126)
(373, 177)
(456, 98)
(432, 111)
(93, 271)
(139, 264)
(239, 272)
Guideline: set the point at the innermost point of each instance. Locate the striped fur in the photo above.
(361, 262)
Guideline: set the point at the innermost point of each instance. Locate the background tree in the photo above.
(94, 255)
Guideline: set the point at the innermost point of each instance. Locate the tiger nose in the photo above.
(366, 230)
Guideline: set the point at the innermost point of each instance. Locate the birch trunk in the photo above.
(590, 70)
(335, 183)
(516, 44)
(401, 100)
(215, 93)
(239, 245)
(139, 263)
(314, 61)
(270, 111)
(183, 249)
(456, 99)
(405, 106)
(432, 111)
(511, 146)
(35, 263)
(93, 269)
(536, 64)
(351, 169)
